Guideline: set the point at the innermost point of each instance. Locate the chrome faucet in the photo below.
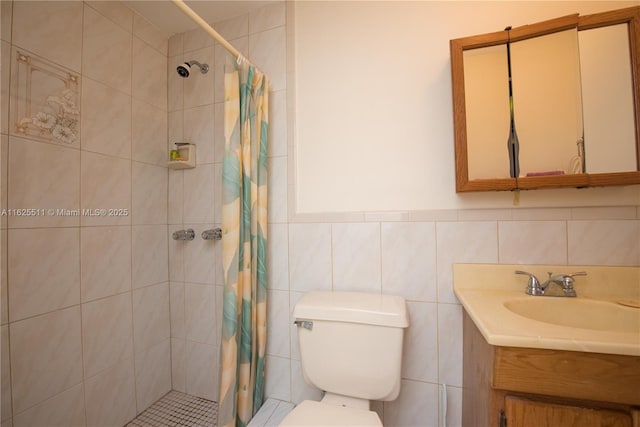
(565, 281)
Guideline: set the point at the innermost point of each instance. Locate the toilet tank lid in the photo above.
(354, 307)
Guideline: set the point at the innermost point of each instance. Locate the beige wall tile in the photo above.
(175, 83)
(420, 351)
(153, 374)
(6, 15)
(199, 256)
(149, 257)
(176, 45)
(151, 317)
(475, 242)
(4, 296)
(196, 39)
(356, 257)
(43, 176)
(64, 409)
(233, 28)
(149, 194)
(450, 344)
(105, 259)
(106, 51)
(202, 370)
(609, 242)
(277, 123)
(5, 66)
(268, 17)
(409, 260)
(300, 390)
(199, 129)
(267, 50)
(44, 272)
(46, 356)
(5, 371)
(217, 193)
(310, 257)
(278, 378)
(106, 120)
(178, 364)
(596, 213)
(175, 207)
(198, 195)
(149, 77)
(149, 143)
(278, 256)
(151, 35)
(200, 313)
(110, 395)
(278, 323)
(106, 184)
(532, 242)
(115, 11)
(4, 176)
(176, 257)
(278, 189)
(106, 333)
(416, 405)
(198, 87)
(177, 303)
(52, 30)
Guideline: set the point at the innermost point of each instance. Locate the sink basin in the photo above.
(578, 313)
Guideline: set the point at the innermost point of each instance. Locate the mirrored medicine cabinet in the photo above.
(568, 87)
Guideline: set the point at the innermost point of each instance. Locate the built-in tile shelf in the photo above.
(186, 157)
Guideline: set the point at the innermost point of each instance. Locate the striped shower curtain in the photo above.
(244, 243)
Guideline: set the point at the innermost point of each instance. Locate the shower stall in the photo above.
(102, 312)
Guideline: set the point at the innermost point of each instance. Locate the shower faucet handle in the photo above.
(212, 234)
(188, 234)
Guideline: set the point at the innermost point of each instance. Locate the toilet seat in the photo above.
(312, 413)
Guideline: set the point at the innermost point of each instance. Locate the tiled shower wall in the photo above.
(85, 314)
(196, 115)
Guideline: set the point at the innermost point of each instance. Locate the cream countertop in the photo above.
(483, 290)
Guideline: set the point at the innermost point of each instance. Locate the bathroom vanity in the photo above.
(519, 371)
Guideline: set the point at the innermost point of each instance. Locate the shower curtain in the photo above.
(244, 243)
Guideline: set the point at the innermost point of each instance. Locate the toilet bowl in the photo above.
(312, 413)
(350, 348)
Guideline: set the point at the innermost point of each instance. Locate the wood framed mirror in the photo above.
(575, 102)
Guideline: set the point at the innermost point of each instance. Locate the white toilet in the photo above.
(351, 348)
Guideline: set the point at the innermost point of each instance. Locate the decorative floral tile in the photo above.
(45, 100)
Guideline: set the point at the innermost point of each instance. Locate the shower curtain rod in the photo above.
(205, 26)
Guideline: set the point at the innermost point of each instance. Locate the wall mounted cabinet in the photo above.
(571, 85)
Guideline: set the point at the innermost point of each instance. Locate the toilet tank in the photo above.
(351, 342)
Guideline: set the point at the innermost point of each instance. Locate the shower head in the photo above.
(183, 69)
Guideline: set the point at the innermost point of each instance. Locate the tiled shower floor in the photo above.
(178, 409)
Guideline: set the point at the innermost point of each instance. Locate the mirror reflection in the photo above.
(607, 91)
(547, 106)
(574, 104)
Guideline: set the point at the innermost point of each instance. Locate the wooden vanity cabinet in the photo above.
(526, 387)
(524, 412)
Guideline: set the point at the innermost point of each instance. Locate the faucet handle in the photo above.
(533, 285)
(579, 273)
(567, 279)
(567, 282)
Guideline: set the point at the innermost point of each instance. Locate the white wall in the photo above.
(373, 123)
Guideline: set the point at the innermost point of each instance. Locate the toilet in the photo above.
(350, 348)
